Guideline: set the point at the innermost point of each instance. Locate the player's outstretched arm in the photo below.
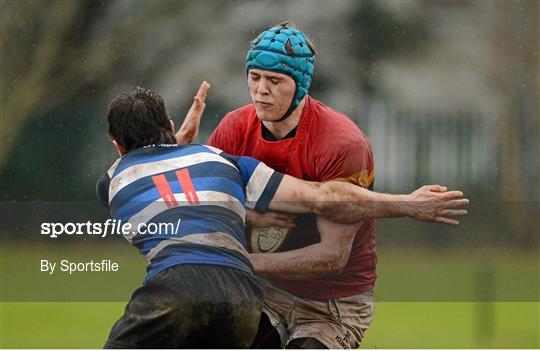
(346, 203)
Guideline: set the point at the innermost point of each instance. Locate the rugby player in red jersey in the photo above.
(319, 288)
(200, 290)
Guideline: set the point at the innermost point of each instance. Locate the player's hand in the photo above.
(433, 203)
(270, 218)
(190, 127)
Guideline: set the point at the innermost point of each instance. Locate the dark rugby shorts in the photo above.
(192, 306)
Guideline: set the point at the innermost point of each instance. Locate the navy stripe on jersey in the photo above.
(211, 214)
(267, 196)
(246, 165)
(194, 220)
(196, 254)
(249, 167)
(212, 176)
(188, 227)
(140, 201)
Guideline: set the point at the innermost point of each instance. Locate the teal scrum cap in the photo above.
(284, 50)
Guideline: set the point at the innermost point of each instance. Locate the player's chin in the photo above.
(264, 115)
(267, 115)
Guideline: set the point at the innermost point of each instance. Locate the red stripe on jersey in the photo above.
(187, 185)
(165, 190)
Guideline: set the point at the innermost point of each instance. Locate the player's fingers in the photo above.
(436, 188)
(191, 123)
(283, 215)
(449, 195)
(197, 107)
(445, 220)
(453, 213)
(282, 219)
(203, 91)
(456, 203)
(284, 223)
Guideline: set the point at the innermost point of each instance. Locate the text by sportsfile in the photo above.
(109, 227)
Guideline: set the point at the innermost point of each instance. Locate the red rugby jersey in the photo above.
(327, 145)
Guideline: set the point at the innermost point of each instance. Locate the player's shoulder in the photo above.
(113, 167)
(330, 119)
(233, 159)
(205, 149)
(240, 115)
(213, 149)
(229, 133)
(333, 130)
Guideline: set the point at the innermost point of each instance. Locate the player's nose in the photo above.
(262, 87)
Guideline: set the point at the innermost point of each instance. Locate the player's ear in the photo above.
(119, 148)
(171, 124)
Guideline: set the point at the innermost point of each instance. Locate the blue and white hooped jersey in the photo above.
(194, 196)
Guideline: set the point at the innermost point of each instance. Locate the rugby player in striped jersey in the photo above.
(200, 290)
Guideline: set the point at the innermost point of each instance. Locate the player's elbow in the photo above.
(335, 203)
(339, 264)
(334, 263)
(323, 201)
(337, 211)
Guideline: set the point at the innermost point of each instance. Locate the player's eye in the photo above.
(254, 76)
(275, 81)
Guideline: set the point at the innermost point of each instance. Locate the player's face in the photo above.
(271, 93)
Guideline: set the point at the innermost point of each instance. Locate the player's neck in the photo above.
(280, 129)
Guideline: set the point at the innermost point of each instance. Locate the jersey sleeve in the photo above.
(351, 162)
(261, 182)
(102, 189)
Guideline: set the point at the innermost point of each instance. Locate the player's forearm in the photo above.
(312, 261)
(345, 203)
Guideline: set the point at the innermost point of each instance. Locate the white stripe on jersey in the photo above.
(215, 149)
(111, 170)
(257, 183)
(133, 173)
(216, 239)
(205, 198)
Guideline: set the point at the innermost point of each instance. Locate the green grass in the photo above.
(425, 298)
(397, 325)
(57, 324)
(454, 325)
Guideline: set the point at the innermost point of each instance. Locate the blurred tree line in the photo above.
(63, 61)
(61, 58)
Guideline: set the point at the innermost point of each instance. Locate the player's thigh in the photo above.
(192, 306)
(336, 323)
(155, 317)
(277, 308)
(237, 310)
(356, 314)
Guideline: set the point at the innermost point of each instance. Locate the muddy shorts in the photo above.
(336, 323)
(191, 306)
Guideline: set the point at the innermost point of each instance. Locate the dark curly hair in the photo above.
(138, 118)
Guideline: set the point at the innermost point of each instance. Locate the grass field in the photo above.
(413, 309)
(397, 325)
